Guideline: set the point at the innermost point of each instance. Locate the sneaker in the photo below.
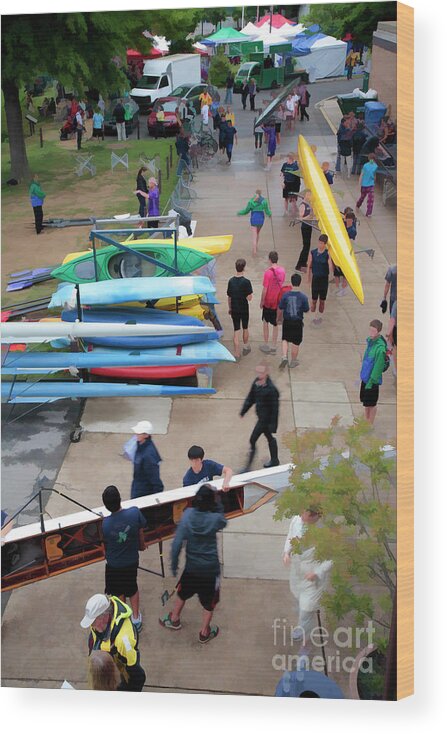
(265, 348)
(237, 359)
(138, 623)
(214, 631)
(169, 624)
(283, 363)
(343, 292)
(294, 363)
(245, 351)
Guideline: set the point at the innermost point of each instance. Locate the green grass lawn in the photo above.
(55, 164)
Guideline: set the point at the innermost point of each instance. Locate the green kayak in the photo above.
(112, 263)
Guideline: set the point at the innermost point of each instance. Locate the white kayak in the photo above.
(36, 332)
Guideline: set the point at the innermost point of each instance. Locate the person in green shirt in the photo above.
(36, 197)
(258, 207)
(373, 365)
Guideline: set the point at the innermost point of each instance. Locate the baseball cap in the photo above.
(143, 427)
(96, 605)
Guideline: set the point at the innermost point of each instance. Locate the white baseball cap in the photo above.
(96, 605)
(143, 427)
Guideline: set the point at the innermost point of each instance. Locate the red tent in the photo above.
(278, 20)
(133, 55)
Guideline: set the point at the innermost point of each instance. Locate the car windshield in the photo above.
(182, 91)
(148, 82)
(170, 106)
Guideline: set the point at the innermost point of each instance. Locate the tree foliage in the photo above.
(344, 472)
(360, 19)
(219, 68)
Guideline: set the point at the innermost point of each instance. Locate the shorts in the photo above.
(97, 132)
(291, 189)
(292, 331)
(238, 318)
(277, 127)
(121, 581)
(269, 315)
(395, 335)
(207, 589)
(370, 397)
(338, 273)
(319, 288)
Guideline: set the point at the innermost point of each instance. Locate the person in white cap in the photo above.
(112, 631)
(146, 464)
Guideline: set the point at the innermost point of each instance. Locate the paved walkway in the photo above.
(255, 588)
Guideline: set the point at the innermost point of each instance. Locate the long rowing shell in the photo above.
(329, 218)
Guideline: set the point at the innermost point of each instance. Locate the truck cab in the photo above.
(149, 88)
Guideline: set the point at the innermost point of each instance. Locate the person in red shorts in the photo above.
(198, 529)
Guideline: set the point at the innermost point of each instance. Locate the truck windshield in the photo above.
(243, 71)
(148, 82)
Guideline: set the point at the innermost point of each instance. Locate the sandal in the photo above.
(214, 631)
(169, 624)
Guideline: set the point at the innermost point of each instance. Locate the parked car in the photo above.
(169, 124)
(132, 112)
(191, 93)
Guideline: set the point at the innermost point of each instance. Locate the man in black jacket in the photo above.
(265, 396)
(119, 113)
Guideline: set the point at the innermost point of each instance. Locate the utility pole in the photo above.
(271, 17)
(242, 19)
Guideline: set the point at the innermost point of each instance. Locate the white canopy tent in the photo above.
(326, 58)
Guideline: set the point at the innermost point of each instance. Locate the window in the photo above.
(164, 82)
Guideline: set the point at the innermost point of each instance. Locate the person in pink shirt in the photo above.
(272, 283)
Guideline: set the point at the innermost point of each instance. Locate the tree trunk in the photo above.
(17, 148)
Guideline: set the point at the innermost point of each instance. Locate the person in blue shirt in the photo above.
(367, 181)
(230, 137)
(146, 463)
(98, 125)
(294, 305)
(319, 265)
(203, 470)
(123, 538)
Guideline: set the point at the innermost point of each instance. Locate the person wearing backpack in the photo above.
(344, 146)
(272, 283)
(258, 207)
(375, 361)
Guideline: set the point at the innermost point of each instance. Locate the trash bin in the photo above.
(374, 111)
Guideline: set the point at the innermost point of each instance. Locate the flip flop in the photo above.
(214, 631)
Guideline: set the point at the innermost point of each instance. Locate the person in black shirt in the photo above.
(291, 183)
(239, 292)
(358, 140)
(319, 265)
(264, 395)
(142, 186)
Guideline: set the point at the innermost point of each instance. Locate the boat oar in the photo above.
(20, 285)
(36, 273)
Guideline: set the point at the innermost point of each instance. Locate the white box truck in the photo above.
(162, 76)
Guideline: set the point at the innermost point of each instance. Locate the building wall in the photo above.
(383, 76)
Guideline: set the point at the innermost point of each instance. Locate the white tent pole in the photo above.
(243, 12)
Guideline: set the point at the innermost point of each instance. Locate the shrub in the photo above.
(219, 68)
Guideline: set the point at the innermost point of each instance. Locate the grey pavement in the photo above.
(255, 589)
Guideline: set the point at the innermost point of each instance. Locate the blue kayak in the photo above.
(131, 289)
(139, 316)
(203, 353)
(37, 392)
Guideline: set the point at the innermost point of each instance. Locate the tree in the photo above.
(220, 67)
(360, 19)
(353, 487)
(175, 25)
(75, 48)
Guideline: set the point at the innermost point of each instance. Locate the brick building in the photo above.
(383, 76)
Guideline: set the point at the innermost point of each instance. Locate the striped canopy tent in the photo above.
(277, 20)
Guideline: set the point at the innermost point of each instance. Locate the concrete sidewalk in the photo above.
(255, 587)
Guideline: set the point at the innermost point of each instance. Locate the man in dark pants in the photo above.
(252, 92)
(265, 396)
(37, 197)
(146, 463)
(123, 538)
(79, 128)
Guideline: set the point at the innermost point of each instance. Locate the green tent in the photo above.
(226, 35)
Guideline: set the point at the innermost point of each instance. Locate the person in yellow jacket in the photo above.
(112, 631)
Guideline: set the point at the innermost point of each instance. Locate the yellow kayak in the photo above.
(188, 305)
(210, 245)
(329, 218)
